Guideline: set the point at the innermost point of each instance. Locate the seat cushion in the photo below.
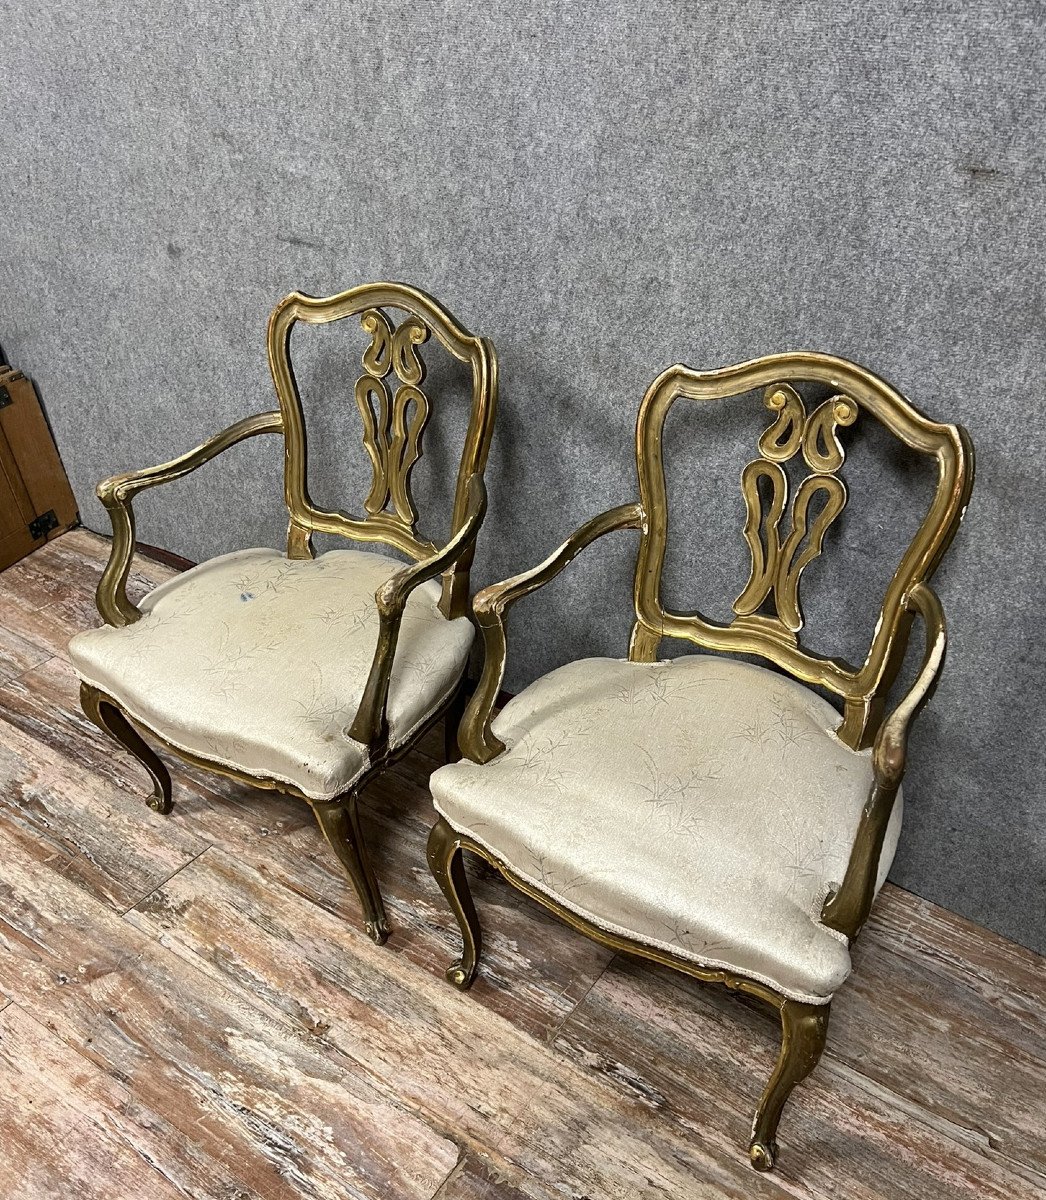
(701, 806)
(259, 662)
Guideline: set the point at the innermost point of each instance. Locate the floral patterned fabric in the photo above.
(259, 662)
(702, 806)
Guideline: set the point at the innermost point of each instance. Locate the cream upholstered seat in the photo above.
(701, 805)
(259, 662)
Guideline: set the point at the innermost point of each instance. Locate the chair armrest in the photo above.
(891, 743)
(371, 722)
(847, 909)
(476, 738)
(117, 493)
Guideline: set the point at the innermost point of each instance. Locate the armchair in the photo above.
(306, 674)
(705, 813)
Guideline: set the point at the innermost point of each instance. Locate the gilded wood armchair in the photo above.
(290, 671)
(715, 816)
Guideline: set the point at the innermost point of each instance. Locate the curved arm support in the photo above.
(847, 909)
(476, 738)
(371, 723)
(117, 493)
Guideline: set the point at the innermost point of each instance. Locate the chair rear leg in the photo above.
(803, 1031)
(102, 712)
(339, 820)
(448, 867)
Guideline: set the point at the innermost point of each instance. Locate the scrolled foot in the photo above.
(160, 800)
(763, 1155)
(460, 976)
(378, 931)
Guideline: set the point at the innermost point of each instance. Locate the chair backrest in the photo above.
(768, 616)
(395, 410)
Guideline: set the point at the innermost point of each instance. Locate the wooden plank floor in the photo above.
(189, 1008)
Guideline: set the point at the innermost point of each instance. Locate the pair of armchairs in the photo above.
(701, 812)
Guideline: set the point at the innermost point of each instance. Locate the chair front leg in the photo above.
(100, 710)
(804, 1028)
(448, 867)
(339, 820)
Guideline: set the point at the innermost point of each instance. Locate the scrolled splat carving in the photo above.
(393, 424)
(372, 399)
(778, 561)
(784, 437)
(410, 415)
(821, 446)
(406, 361)
(377, 358)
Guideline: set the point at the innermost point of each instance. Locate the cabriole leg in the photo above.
(803, 1031)
(109, 719)
(448, 867)
(339, 820)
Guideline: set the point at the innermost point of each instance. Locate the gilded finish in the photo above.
(392, 425)
(338, 819)
(847, 909)
(446, 844)
(370, 725)
(803, 1026)
(448, 869)
(395, 412)
(777, 563)
(340, 822)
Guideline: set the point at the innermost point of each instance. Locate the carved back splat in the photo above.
(777, 565)
(393, 426)
(779, 554)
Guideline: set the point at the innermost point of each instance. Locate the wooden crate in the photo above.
(36, 501)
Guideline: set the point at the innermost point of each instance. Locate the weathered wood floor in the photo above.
(189, 1008)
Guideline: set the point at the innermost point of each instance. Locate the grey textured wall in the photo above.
(603, 188)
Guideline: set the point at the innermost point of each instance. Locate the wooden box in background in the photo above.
(36, 502)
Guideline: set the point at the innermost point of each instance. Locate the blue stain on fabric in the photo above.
(245, 596)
